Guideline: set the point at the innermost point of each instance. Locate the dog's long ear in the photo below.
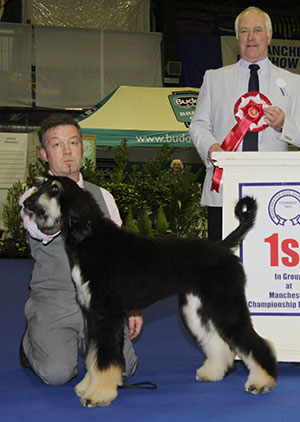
(79, 227)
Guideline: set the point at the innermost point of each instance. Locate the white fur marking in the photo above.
(219, 357)
(82, 287)
(51, 207)
(190, 313)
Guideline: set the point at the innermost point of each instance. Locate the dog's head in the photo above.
(58, 203)
(43, 205)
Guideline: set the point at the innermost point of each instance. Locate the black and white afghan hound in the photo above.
(116, 271)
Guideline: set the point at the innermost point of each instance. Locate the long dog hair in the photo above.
(116, 271)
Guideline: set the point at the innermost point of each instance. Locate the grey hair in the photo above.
(266, 17)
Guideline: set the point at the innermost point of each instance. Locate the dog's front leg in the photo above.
(82, 386)
(99, 386)
(104, 364)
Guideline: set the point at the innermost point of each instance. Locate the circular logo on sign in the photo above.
(284, 207)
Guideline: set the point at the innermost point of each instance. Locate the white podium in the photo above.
(270, 252)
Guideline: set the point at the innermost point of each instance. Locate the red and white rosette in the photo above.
(249, 113)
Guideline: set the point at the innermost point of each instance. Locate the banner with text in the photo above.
(282, 53)
(270, 252)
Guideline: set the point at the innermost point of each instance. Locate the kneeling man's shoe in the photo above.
(24, 362)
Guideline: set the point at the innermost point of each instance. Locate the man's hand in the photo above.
(214, 148)
(274, 117)
(135, 324)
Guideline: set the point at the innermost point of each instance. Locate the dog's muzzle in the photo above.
(45, 224)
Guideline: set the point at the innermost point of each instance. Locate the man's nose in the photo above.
(67, 149)
(250, 35)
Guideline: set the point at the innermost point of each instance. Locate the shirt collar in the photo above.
(263, 65)
(80, 181)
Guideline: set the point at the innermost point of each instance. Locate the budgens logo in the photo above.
(185, 102)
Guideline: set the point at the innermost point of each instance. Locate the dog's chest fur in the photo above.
(82, 287)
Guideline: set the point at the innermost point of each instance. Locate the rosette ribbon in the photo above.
(249, 113)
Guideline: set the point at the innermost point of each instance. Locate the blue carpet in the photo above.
(167, 357)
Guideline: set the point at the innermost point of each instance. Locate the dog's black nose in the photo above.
(28, 203)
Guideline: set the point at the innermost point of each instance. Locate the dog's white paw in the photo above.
(210, 371)
(259, 381)
(260, 387)
(99, 398)
(82, 386)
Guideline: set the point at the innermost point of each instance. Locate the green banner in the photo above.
(113, 137)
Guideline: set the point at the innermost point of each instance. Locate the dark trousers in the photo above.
(214, 223)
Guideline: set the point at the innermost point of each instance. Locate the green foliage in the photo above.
(121, 160)
(35, 171)
(154, 185)
(92, 174)
(144, 224)
(130, 225)
(11, 212)
(161, 223)
(124, 192)
(183, 210)
(153, 180)
(125, 196)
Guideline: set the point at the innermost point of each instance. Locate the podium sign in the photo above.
(271, 251)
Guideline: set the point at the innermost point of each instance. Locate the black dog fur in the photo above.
(116, 271)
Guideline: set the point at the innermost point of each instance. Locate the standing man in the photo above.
(214, 116)
(55, 329)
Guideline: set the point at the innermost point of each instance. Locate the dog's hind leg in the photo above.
(260, 359)
(257, 353)
(219, 357)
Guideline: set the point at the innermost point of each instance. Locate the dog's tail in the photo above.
(245, 210)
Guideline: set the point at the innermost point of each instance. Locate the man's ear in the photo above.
(44, 154)
(270, 37)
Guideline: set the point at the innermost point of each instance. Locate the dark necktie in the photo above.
(250, 142)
